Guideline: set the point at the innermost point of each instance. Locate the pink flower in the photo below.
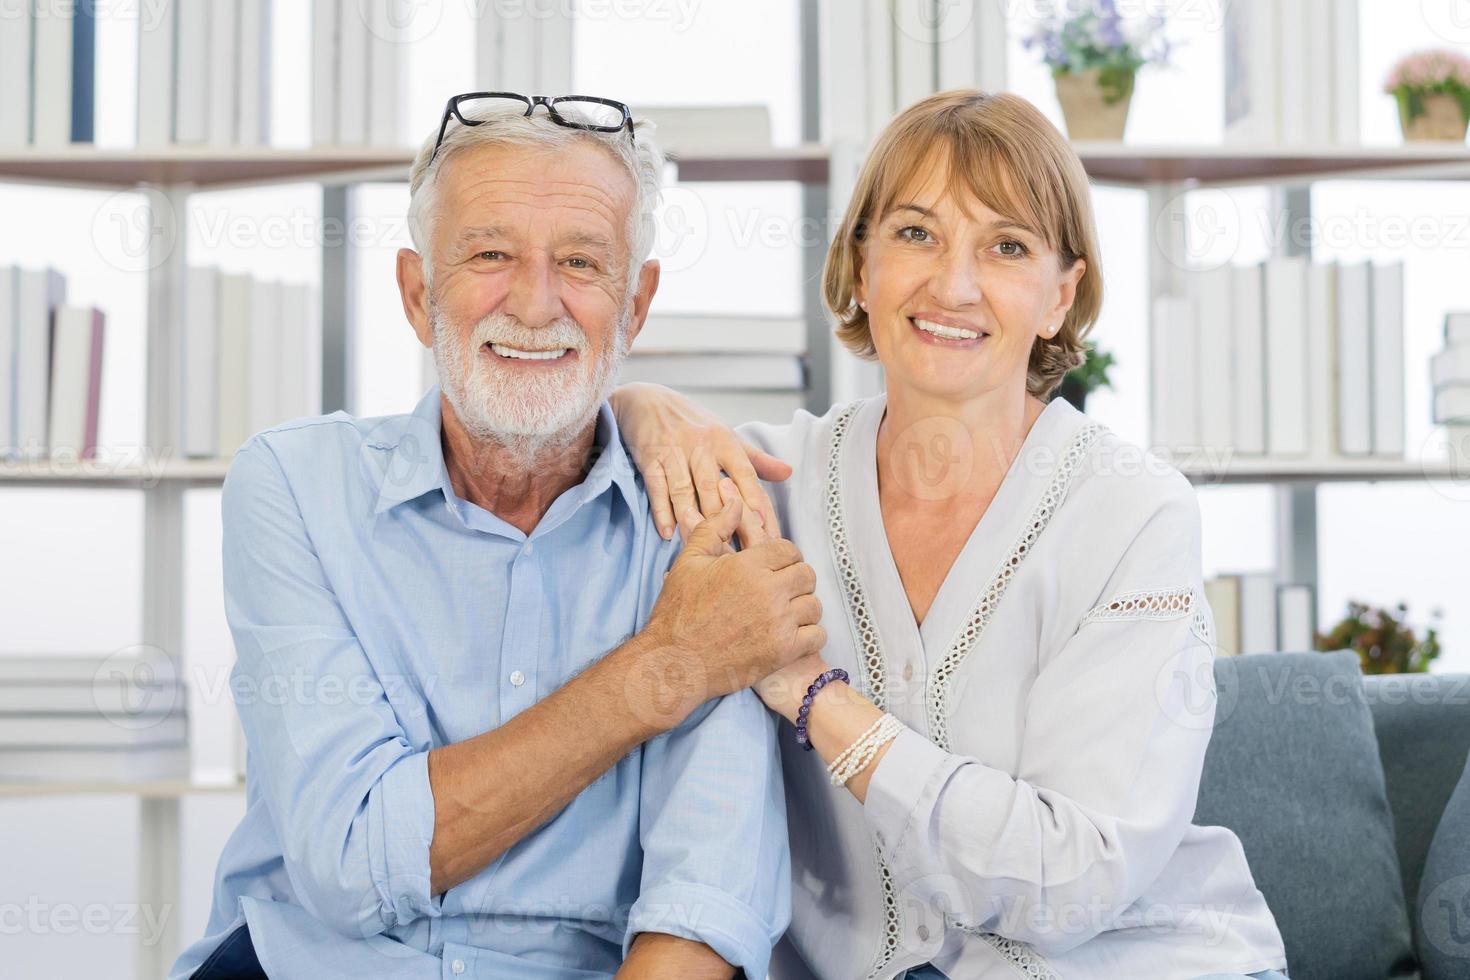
(1425, 68)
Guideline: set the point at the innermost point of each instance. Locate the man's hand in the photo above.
(656, 956)
(727, 619)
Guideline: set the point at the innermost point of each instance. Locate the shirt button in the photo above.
(923, 934)
(908, 672)
(530, 549)
(517, 678)
(457, 966)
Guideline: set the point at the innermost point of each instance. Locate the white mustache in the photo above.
(501, 328)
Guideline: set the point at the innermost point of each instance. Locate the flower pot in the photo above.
(1095, 102)
(1442, 119)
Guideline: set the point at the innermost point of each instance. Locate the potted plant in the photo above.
(1094, 55)
(1432, 89)
(1382, 639)
(1088, 376)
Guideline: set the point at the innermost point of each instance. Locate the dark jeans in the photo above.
(233, 959)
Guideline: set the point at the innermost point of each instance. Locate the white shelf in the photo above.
(207, 167)
(148, 789)
(1368, 469)
(1108, 162)
(100, 473)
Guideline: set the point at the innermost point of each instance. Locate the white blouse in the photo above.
(1035, 814)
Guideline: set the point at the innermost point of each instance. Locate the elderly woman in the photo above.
(996, 757)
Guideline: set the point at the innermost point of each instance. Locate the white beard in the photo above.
(531, 413)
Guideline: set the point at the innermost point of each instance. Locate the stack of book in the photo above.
(50, 368)
(204, 72)
(1449, 373)
(1286, 359)
(119, 718)
(1254, 614)
(1291, 72)
(249, 358)
(741, 368)
(358, 80)
(47, 73)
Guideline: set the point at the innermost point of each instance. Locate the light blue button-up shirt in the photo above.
(377, 615)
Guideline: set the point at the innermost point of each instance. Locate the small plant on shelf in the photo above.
(1382, 639)
(1432, 89)
(1094, 54)
(1086, 377)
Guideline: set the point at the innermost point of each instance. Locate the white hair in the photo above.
(641, 157)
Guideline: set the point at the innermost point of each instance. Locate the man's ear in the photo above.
(415, 294)
(648, 276)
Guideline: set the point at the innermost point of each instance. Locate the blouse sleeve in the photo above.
(1116, 727)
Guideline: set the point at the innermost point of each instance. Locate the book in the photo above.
(38, 293)
(192, 94)
(83, 72)
(93, 764)
(1457, 328)
(15, 76)
(1322, 394)
(1286, 356)
(51, 54)
(224, 68)
(1294, 83)
(139, 667)
(56, 697)
(265, 356)
(1258, 612)
(1247, 309)
(253, 96)
(232, 409)
(1448, 367)
(76, 381)
(199, 372)
(1388, 359)
(1452, 404)
(1252, 72)
(1296, 618)
(1354, 360)
(698, 333)
(91, 731)
(7, 361)
(1223, 595)
(385, 88)
(730, 372)
(1215, 373)
(324, 70)
(300, 347)
(696, 128)
(1342, 27)
(1174, 358)
(352, 75)
(738, 407)
(156, 66)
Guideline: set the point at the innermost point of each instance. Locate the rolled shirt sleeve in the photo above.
(348, 795)
(1117, 724)
(716, 862)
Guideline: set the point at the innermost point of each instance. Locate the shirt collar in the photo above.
(415, 458)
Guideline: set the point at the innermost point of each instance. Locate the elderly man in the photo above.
(497, 725)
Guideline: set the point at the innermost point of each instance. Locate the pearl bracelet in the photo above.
(859, 755)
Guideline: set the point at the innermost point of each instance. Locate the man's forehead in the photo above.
(578, 176)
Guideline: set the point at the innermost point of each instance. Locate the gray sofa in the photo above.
(1336, 785)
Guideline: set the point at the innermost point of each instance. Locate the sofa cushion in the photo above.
(1293, 769)
(1423, 726)
(1444, 896)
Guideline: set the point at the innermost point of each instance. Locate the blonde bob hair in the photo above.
(1003, 151)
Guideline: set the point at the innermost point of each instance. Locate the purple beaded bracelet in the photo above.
(823, 679)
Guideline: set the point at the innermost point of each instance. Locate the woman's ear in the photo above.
(1066, 296)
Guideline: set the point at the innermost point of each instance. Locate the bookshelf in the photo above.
(844, 101)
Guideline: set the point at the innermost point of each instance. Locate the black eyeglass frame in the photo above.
(451, 109)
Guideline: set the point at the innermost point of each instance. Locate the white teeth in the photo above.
(528, 355)
(940, 330)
